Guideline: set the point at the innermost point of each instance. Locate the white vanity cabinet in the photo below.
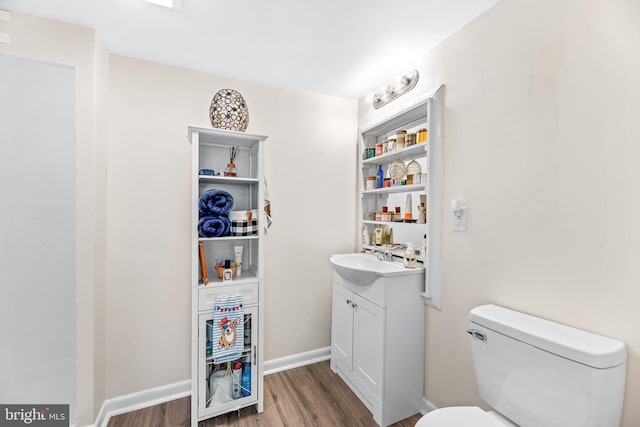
(211, 382)
(377, 343)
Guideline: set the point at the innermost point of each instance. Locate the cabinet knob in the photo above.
(354, 305)
(348, 301)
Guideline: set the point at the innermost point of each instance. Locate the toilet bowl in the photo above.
(463, 416)
(522, 365)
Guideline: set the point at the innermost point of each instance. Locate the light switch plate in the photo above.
(5, 37)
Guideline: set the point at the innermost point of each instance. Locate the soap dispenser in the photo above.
(410, 260)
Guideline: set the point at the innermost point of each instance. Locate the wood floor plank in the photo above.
(309, 396)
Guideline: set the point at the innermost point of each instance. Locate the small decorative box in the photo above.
(244, 228)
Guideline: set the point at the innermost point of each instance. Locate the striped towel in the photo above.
(228, 328)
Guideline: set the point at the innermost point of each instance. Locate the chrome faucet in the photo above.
(384, 255)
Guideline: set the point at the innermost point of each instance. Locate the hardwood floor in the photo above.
(308, 396)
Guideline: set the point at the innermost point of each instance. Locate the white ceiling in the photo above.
(337, 47)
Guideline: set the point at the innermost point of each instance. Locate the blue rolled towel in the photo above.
(214, 226)
(215, 202)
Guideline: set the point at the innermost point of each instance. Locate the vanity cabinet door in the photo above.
(368, 343)
(342, 327)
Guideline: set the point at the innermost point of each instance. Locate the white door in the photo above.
(368, 343)
(342, 327)
(37, 234)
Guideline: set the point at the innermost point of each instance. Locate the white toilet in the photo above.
(537, 373)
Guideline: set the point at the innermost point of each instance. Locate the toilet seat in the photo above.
(460, 416)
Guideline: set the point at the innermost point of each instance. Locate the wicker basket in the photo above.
(220, 270)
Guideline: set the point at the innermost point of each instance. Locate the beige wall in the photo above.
(541, 143)
(102, 114)
(52, 41)
(309, 166)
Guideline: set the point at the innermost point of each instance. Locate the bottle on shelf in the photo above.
(408, 214)
(422, 209)
(366, 239)
(378, 233)
(246, 379)
(227, 273)
(236, 373)
(379, 177)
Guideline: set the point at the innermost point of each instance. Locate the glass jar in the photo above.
(400, 138)
(370, 182)
(391, 144)
(414, 168)
(230, 169)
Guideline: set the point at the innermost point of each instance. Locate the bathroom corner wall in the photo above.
(52, 41)
(101, 118)
(541, 144)
(310, 169)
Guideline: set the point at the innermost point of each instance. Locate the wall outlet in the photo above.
(458, 216)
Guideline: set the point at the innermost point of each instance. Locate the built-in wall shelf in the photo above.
(396, 189)
(395, 223)
(426, 114)
(413, 150)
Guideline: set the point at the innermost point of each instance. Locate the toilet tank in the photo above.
(540, 373)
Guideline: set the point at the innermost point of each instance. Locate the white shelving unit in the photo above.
(210, 150)
(427, 113)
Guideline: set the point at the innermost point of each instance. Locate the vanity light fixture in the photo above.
(407, 82)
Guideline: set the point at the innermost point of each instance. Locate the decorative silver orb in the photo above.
(229, 111)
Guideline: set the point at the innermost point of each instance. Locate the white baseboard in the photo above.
(427, 406)
(296, 360)
(142, 399)
(145, 398)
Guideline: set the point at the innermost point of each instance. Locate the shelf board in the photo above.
(246, 278)
(393, 223)
(210, 179)
(222, 137)
(218, 239)
(416, 150)
(245, 351)
(397, 189)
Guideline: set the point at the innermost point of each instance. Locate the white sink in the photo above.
(362, 269)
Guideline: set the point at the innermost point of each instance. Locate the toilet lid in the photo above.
(459, 416)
